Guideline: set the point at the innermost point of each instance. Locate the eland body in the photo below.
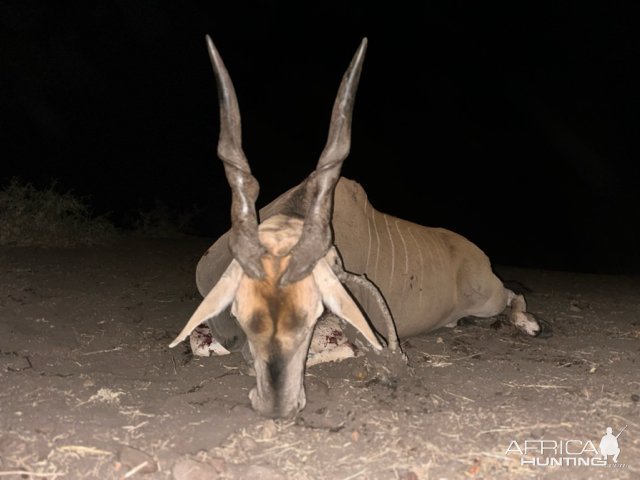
(322, 246)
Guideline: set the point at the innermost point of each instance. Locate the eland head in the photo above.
(281, 277)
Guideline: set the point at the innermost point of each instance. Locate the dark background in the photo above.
(515, 124)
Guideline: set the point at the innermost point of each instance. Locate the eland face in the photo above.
(278, 321)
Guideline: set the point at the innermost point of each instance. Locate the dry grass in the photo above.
(389, 452)
(48, 218)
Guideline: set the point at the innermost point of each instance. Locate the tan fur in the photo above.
(273, 315)
(279, 234)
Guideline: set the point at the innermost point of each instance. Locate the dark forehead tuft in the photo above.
(259, 323)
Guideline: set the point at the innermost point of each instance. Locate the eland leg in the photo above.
(518, 315)
(499, 299)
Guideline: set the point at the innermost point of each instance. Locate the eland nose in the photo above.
(272, 408)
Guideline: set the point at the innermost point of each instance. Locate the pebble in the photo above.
(360, 373)
(248, 444)
(269, 430)
(189, 469)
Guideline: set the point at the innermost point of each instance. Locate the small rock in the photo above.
(269, 430)
(218, 464)
(360, 373)
(132, 457)
(355, 436)
(439, 340)
(635, 398)
(189, 469)
(474, 469)
(248, 444)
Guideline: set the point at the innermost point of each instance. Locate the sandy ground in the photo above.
(90, 389)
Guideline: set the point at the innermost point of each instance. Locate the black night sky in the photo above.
(515, 124)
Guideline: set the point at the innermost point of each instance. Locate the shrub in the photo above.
(48, 218)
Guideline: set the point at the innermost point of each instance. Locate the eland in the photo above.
(322, 248)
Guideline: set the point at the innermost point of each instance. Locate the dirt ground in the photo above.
(90, 389)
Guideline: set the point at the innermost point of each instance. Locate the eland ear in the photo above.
(219, 298)
(336, 298)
